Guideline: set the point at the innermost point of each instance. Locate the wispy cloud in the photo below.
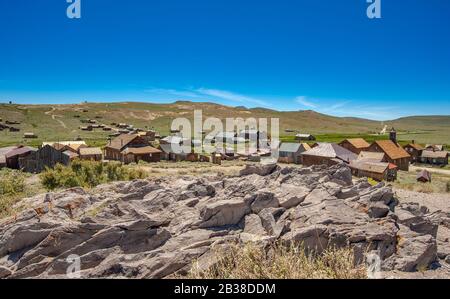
(231, 96)
(223, 96)
(172, 92)
(345, 108)
(302, 100)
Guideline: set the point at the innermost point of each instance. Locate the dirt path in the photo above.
(430, 169)
(54, 116)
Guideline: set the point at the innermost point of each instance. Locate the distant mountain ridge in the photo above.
(60, 122)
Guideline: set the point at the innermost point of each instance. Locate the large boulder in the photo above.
(223, 212)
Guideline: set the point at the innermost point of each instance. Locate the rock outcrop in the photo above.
(157, 228)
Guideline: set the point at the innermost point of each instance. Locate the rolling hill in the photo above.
(62, 122)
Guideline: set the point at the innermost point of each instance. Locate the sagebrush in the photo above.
(279, 261)
(88, 174)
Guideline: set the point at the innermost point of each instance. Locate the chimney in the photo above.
(393, 136)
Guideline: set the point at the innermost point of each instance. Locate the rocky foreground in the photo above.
(157, 228)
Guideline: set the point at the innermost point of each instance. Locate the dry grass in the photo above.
(280, 262)
(14, 186)
(407, 181)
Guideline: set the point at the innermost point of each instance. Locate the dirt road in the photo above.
(430, 169)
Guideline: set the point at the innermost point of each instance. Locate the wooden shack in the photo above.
(355, 145)
(434, 158)
(394, 153)
(414, 150)
(129, 148)
(46, 156)
(30, 136)
(91, 153)
(13, 157)
(305, 137)
(424, 176)
(291, 152)
(379, 171)
(327, 154)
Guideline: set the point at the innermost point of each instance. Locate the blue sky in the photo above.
(286, 54)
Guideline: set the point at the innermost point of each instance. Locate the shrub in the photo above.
(279, 262)
(12, 187)
(88, 174)
(12, 182)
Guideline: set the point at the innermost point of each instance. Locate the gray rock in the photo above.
(224, 212)
(259, 169)
(378, 210)
(262, 200)
(4, 272)
(290, 196)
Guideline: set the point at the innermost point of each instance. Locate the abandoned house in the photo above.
(14, 156)
(174, 151)
(327, 154)
(3, 152)
(30, 136)
(379, 171)
(73, 146)
(414, 150)
(148, 135)
(424, 176)
(225, 137)
(394, 153)
(91, 153)
(355, 145)
(129, 148)
(305, 137)
(291, 152)
(434, 147)
(371, 156)
(46, 156)
(434, 158)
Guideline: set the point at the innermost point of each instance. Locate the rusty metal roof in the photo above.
(357, 142)
(394, 151)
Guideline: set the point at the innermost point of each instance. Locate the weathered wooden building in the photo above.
(3, 152)
(91, 153)
(379, 171)
(291, 152)
(434, 147)
(14, 156)
(327, 154)
(434, 158)
(414, 150)
(355, 145)
(129, 148)
(394, 153)
(424, 176)
(305, 137)
(46, 156)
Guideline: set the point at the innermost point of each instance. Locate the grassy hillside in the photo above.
(59, 122)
